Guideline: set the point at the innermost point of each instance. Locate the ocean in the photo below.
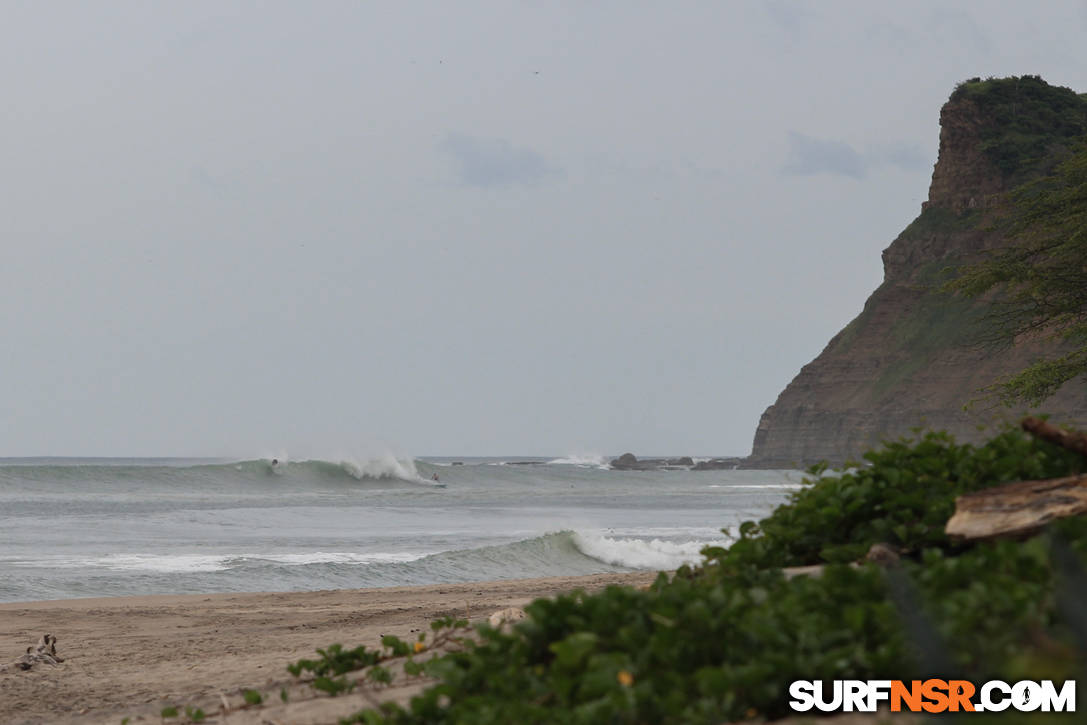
(114, 527)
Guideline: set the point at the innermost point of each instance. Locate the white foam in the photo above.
(586, 460)
(776, 486)
(642, 554)
(339, 557)
(134, 562)
(201, 563)
(384, 466)
(174, 563)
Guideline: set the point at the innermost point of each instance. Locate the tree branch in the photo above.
(1073, 441)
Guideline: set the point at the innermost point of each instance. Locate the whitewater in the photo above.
(115, 527)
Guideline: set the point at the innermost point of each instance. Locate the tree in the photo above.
(1040, 280)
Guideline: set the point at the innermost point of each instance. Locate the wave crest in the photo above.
(641, 554)
(380, 468)
(589, 460)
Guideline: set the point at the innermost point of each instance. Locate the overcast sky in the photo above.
(458, 228)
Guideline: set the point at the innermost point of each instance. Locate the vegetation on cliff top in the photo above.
(1025, 121)
(723, 641)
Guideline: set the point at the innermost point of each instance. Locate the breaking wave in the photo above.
(641, 554)
(564, 553)
(386, 468)
(381, 468)
(583, 460)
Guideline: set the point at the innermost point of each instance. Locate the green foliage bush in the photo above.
(336, 661)
(723, 641)
(903, 495)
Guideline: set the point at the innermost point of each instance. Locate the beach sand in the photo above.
(132, 656)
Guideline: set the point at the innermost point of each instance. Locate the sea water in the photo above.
(112, 527)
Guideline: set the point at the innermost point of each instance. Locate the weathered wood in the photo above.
(1072, 440)
(813, 570)
(1017, 509)
(880, 554)
(44, 653)
(506, 616)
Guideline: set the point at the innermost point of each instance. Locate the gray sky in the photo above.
(458, 228)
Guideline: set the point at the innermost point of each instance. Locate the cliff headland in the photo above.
(916, 356)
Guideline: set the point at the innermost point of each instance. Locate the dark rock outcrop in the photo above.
(629, 462)
(912, 357)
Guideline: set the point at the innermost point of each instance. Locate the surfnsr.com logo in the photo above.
(932, 696)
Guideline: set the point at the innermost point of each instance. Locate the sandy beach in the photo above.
(132, 656)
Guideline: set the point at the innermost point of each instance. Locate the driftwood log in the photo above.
(1016, 510)
(44, 653)
(506, 616)
(880, 554)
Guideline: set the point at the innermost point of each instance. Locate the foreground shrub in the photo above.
(902, 495)
(722, 642)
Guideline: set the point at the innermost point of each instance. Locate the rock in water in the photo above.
(628, 462)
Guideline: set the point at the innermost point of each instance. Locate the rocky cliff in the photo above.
(914, 356)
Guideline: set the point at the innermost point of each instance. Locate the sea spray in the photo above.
(382, 467)
(586, 460)
(642, 554)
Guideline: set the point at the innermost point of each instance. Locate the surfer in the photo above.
(275, 462)
(434, 477)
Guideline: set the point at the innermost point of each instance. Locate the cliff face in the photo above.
(912, 357)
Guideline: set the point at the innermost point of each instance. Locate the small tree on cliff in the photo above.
(1041, 280)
